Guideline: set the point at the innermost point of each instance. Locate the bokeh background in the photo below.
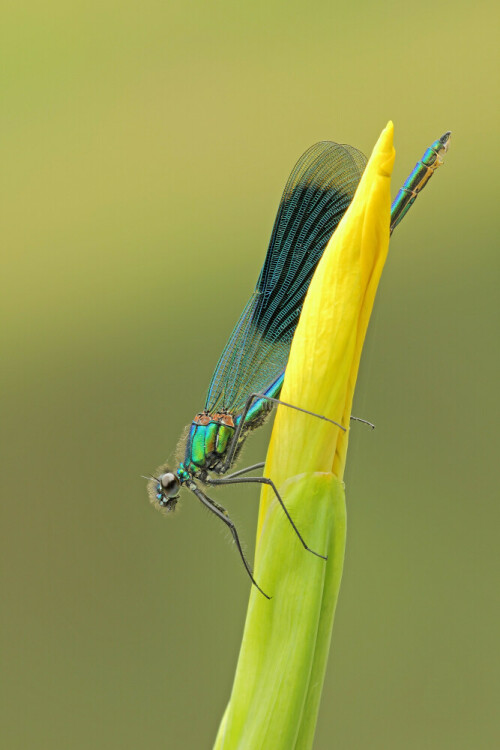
(144, 148)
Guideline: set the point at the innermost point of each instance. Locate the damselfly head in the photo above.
(164, 491)
(169, 484)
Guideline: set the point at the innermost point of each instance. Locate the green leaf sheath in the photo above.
(279, 678)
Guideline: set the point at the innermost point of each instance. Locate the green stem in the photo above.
(277, 687)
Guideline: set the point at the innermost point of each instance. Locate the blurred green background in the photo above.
(144, 148)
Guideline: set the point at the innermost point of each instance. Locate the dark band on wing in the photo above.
(316, 196)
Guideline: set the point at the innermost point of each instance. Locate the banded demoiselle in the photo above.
(248, 378)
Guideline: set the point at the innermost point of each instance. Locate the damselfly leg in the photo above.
(270, 483)
(221, 513)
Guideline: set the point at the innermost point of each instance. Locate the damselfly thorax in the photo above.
(209, 438)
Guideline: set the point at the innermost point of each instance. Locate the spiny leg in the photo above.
(221, 513)
(265, 480)
(245, 471)
(363, 421)
(313, 414)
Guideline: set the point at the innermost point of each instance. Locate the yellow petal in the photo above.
(326, 349)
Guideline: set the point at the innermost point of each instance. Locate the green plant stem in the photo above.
(277, 687)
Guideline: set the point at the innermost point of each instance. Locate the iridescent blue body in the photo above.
(249, 375)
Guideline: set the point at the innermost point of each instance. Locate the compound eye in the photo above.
(169, 483)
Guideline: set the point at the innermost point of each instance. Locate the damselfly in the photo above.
(249, 375)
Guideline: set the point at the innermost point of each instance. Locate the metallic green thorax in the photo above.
(207, 442)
